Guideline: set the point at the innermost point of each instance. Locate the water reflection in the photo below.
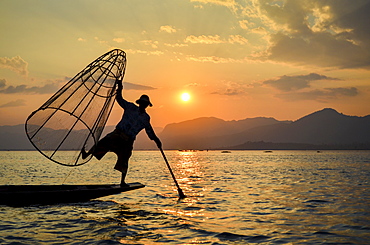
(190, 176)
(239, 198)
(189, 172)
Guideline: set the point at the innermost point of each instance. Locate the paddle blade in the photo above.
(181, 194)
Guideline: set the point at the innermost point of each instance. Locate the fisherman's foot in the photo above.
(84, 154)
(123, 185)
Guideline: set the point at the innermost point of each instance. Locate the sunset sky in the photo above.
(235, 59)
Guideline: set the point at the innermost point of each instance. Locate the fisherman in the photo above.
(121, 140)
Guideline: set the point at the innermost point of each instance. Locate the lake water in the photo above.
(242, 197)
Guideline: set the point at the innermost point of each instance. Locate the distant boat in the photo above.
(225, 151)
(24, 195)
(267, 151)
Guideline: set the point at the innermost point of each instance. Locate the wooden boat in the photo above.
(23, 195)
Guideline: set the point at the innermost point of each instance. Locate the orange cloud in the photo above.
(168, 29)
(321, 95)
(214, 59)
(16, 64)
(290, 83)
(216, 39)
(227, 3)
(15, 103)
(237, 39)
(118, 40)
(203, 39)
(318, 33)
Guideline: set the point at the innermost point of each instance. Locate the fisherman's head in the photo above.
(144, 101)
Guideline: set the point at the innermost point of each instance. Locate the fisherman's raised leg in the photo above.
(98, 150)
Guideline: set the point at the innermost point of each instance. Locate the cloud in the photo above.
(214, 59)
(138, 51)
(118, 40)
(16, 64)
(103, 42)
(216, 39)
(24, 89)
(16, 103)
(298, 87)
(229, 92)
(321, 95)
(237, 39)
(2, 83)
(318, 33)
(168, 29)
(259, 30)
(192, 85)
(52, 87)
(231, 89)
(292, 83)
(203, 39)
(244, 24)
(133, 86)
(153, 44)
(227, 3)
(343, 91)
(176, 45)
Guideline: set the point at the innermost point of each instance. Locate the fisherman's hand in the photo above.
(119, 85)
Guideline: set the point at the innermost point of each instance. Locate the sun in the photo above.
(185, 97)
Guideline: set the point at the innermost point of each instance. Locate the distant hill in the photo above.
(324, 129)
(15, 138)
(210, 132)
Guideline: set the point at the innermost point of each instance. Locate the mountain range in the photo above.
(319, 129)
(324, 129)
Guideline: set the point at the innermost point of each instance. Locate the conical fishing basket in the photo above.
(75, 116)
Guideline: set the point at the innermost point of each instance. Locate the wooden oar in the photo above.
(181, 194)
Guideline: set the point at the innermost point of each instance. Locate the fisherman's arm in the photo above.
(151, 134)
(120, 100)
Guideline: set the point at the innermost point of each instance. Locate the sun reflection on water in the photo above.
(189, 171)
(190, 175)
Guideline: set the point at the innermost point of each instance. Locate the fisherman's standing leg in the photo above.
(123, 177)
(122, 166)
(122, 162)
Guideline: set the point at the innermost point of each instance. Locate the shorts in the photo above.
(120, 144)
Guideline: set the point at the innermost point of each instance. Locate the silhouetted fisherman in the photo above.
(121, 140)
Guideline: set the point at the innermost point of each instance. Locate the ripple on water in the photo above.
(236, 237)
(246, 197)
